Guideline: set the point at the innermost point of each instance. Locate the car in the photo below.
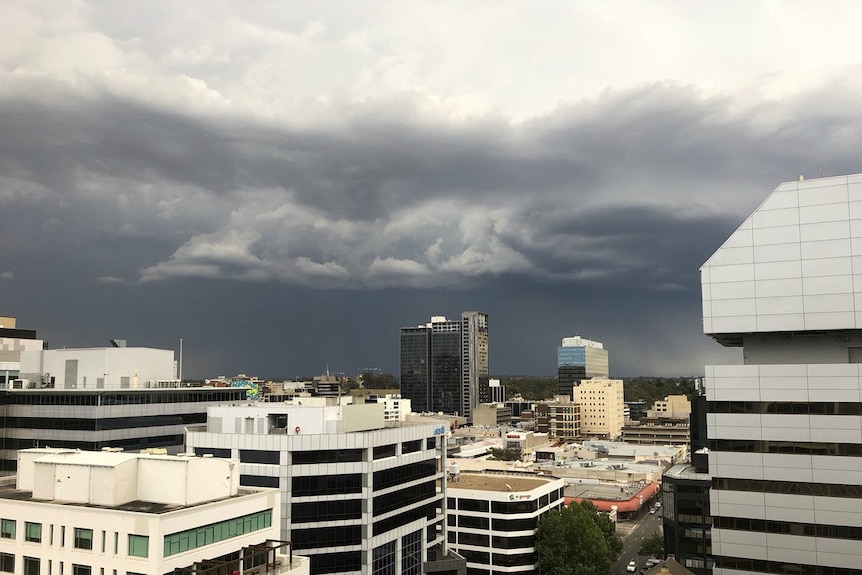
(632, 567)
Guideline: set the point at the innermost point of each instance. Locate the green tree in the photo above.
(505, 454)
(576, 540)
(652, 545)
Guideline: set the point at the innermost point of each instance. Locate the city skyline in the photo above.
(284, 186)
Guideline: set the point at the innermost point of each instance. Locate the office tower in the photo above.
(93, 513)
(444, 364)
(785, 427)
(601, 403)
(493, 518)
(579, 358)
(358, 495)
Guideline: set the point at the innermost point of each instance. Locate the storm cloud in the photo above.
(155, 185)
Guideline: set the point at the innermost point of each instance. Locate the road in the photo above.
(646, 526)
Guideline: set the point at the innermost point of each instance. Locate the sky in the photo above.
(283, 185)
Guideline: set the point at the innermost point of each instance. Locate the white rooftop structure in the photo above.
(578, 341)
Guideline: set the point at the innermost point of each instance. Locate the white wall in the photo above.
(93, 363)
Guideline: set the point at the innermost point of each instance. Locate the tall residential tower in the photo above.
(444, 364)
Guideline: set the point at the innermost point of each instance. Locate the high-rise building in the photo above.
(444, 364)
(785, 427)
(579, 358)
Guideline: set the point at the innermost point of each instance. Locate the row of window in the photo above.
(428, 511)
(787, 407)
(471, 522)
(485, 558)
(794, 447)
(788, 487)
(316, 457)
(105, 423)
(114, 398)
(331, 510)
(399, 499)
(83, 537)
(779, 567)
(485, 540)
(326, 537)
(128, 443)
(499, 507)
(404, 474)
(182, 541)
(789, 528)
(32, 566)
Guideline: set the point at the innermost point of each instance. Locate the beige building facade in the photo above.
(601, 402)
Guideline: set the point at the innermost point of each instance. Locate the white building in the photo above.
(98, 368)
(357, 496)
(601, 402)
(785, 428)
(87, 513)
(492, 518)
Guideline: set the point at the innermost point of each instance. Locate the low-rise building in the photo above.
(492, 414)
(492, 519)
(657, 431)
(89, 513)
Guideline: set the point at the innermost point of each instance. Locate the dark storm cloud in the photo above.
(591, 219)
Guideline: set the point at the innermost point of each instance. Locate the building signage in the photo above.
(440, 430)
(521, 497)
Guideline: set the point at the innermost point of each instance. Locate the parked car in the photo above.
(632, 567)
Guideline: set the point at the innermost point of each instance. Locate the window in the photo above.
(31, 566)
(83, 538)
(182, 541)
(139, 545)
(33, 532)
(7, 563)
(81, 569)
(7, 528)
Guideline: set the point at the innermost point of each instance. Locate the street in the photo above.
(645, 526)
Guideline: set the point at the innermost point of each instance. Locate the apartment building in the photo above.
(601, 402)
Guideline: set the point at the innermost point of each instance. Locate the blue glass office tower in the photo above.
(577, 359)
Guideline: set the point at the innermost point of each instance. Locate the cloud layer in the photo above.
(329, 151)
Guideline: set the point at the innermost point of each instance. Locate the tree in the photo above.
(576, 540)
(505, 454)
(652, 545)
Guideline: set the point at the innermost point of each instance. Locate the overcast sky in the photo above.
(284, 185)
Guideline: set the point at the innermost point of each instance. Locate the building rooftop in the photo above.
(9, 492)
(499, 482)
(686, 471)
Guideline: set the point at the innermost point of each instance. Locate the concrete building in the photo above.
(357, 496)
(577, 359)
(492, 414)
(784, 427)
(99, 368)
(395, 407)
(444, 364)
(496, 391)
(601, 401)
(657, 431)
(673, 406)
(13, 342)
(492, 518)
(93, 419)
(89, 513)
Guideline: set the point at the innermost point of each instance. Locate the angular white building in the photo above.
(785, 428)
(92, 513)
